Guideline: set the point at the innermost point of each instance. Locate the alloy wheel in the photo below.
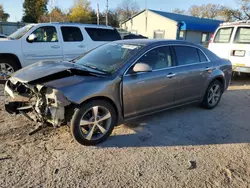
(214, 95)
(6, 71)
(95, 123)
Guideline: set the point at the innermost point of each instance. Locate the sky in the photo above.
(15, 8)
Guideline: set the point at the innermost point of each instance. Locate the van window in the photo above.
(71, 34)
(223, 35)
(98, 34)
(186, 55)
(242, 35)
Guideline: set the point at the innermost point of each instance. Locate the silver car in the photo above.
(117, 82)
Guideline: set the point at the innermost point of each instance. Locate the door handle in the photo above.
(171, 75)
(208, 68)
(81, 46)
(55, 46)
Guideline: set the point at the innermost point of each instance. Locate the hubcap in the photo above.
(6, 71)
(214, 95)
(95, 122)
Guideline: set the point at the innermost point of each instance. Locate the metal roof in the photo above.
(188, 22)
(191, 22)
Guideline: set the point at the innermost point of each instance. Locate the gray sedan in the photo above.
(117, 82)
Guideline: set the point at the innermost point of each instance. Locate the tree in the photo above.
(178, 11)
(3, 15)
(33, 10)
(206, 11)
(80, 12)
(56, 15)
(127, 9)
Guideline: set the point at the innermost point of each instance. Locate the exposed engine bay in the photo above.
(38, 103)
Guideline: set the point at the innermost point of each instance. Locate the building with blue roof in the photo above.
(165, 25)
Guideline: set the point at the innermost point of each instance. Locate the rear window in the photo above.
(223, 35)
(186, 55)
(97, 34)
(242, 35)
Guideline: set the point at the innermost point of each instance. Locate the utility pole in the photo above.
(107, 11)
(51, 7)
(98, 14)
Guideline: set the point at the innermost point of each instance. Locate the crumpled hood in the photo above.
(40, 70)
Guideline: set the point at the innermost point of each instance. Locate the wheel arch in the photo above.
(107, 99)
(13, 57)
(221, 80)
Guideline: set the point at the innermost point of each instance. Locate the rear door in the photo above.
(221, 43)
(240, 49)
(192, 70)
(73, 42)
(145, 92)
(45, 47)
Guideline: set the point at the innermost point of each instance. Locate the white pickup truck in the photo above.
(50, 41)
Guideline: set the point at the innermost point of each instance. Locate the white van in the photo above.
(232, 41)
(50, 41)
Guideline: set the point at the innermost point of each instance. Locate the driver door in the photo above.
(146, 92)
(45, 47)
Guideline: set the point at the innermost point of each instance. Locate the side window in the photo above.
(158, 58)
(186, 55)
(98, 34)
(242, 35)
(46, 34)
(223, 35)
(71, 34)
(202, 56)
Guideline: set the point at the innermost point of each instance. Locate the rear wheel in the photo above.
(93, 122)
(7, 67)
(213, 95)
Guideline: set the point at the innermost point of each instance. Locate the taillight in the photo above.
(211, 38)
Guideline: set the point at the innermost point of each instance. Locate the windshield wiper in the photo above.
(95, 68)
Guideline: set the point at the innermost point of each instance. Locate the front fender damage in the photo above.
(37, 102)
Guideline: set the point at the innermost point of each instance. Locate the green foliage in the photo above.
(3, 15)
(33, 10)
(80, 12)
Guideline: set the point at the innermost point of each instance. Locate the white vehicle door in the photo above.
(221, 43)
(74, 43)
(46, 46)
(240, 50)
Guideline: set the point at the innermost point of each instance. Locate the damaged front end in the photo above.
(36, 102)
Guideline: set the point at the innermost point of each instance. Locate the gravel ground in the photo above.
(184, 147)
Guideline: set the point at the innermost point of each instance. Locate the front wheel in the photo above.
(213, 95)
(7, 67)
(93, 122)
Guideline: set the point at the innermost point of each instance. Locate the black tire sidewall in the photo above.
(11, 62)
(205, 103)
(76, 118)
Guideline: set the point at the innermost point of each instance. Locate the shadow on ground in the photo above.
(190, 125)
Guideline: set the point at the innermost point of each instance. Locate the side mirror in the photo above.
(142, 67)
(31, 37)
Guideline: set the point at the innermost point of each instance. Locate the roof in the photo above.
(155, 42)
(188, 22)
(77, 24)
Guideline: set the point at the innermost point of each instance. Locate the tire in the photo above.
(92, 132)
(7, 67)
(210, 100)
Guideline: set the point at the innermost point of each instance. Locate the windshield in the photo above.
(20, 32)
(108, 58)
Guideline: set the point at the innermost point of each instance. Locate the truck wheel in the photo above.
(7, 67)
(93, 122)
